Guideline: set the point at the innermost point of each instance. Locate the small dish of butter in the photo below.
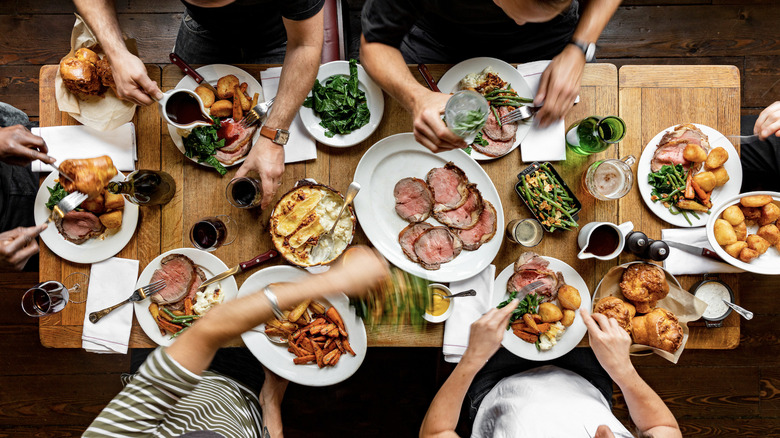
(438, 308)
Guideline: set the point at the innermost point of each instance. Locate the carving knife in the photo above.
(242, 267)
(189, 71)
(695, 250)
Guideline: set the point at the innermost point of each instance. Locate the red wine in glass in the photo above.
(210, 233)
(244, 192)
(45, 298)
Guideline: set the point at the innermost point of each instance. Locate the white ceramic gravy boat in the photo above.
(583, 239)
(164, 113)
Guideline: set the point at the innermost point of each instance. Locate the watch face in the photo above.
(282, 136)
(590, 52)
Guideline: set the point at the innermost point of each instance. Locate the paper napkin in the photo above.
(66, 142)
(302, 146)
(110, 282)
(457, 328)
(680, 262)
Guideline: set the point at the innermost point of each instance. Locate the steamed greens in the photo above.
(56, 194)
(339, 102)
(202, 144)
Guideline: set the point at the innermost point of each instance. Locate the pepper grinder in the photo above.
(639, 244)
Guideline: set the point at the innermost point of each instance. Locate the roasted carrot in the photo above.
(703, 196)
(527, 337)
(319, 355)
(528, 319)
(345, 343)
(330, 356)
(304, 359)
(334, 316)
(188, 306)
(689, 192)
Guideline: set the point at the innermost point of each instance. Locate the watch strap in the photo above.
(588, 49)
(269, 133)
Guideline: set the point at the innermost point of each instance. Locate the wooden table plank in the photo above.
(653, 98)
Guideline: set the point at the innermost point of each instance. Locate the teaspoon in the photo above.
(747, 314)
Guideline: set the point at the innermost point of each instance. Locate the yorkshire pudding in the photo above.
(644, 284)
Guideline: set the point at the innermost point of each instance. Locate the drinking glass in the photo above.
(244, 192)
(466, 113)
(210, 233)
(527, 232)
(45, 298)
(609, 179)
(595, 134)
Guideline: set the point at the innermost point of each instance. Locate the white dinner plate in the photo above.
(279, 360)
(450, 80)
(374, 98)
(767, 263)
(93, 250)
(211, 266)
(573, 334)
(400, 156)
(212, 73)
(730, 189)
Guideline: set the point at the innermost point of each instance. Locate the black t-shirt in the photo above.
(260, 19)
(466, 28)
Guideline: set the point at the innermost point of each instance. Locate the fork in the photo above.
(139, 294)
(258, 112)
(66, 205)
(520, 113)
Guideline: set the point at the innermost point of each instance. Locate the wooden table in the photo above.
(200, 192)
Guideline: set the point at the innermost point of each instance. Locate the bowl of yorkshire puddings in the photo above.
(744, 231)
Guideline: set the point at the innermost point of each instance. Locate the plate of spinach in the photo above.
(345, 105)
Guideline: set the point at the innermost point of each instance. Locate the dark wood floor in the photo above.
(719, 393)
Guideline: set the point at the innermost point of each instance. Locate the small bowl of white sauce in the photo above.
(713, 292)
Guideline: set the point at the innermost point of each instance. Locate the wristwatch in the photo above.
(278, 136)
(588, 49)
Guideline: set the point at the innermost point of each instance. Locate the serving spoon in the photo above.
(466, 293)
(747, 314)
(324, 247)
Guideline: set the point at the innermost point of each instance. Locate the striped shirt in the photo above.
(166, 400)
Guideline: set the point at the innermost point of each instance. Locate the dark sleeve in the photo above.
(298, 10)
(388, 21)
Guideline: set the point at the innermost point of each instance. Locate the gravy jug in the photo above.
(602, 240)
(184, 109)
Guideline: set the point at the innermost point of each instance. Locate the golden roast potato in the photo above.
(747, 255)
(735, 248)
(549, 312)
(111, 220)
(694, 153)
(770, 232)
(716, 158)
(724, 232)
(733, 215)
(206, 95)
(721, 176)
(706, 180)
(758, 243)
(769, 214)
(568, 317)
(221, 108)
(569, 297)
(755, 200)
(741, 230)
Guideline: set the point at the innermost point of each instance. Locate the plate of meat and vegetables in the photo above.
(505, 89)
(685, 170)
(436, 216)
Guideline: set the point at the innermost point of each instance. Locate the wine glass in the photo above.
(77, 284)
(244, 192)
(45, 298)
(466, 113)
(210, 233)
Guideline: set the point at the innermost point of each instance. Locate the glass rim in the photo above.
(32, 290)
(229, 196)
(606, 119)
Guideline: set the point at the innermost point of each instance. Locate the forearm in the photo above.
(386, 66)
(647, 409)
(101, 17)
(444, 412)
(595, 16)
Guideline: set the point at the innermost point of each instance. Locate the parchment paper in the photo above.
(682, 303)
(101, 113)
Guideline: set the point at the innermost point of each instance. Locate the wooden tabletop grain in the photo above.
(200, 190)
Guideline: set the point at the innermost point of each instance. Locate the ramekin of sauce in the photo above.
(713, 292)
(439, 308)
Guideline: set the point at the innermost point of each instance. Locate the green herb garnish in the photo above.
(529, 304)
(202, 144)
(339, 102)
(56, 194)
(468, 122)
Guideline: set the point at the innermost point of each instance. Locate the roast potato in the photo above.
(752, 214)
(735, 248)
(758, 243)
(733, 215)
(770, 232)
(238, 113)
(706, 180)
(755, 200)
(221, 108)
(111, 220)
(721, 176)
(741, 230)
(114, 202)
(569, 297)
(747, 255)
(549, 312)
(716, 158)
(568, 317)
(95, 205)
(694, 153)
(724, 232)
(769, 214)
(225, 86)
(206, 95)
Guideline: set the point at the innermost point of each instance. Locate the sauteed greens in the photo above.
(339, 103)
(202, 143)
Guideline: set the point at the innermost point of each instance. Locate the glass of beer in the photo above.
(609, 179)
(45, 298)
(527, 232)
(595, 134)
(244, 192)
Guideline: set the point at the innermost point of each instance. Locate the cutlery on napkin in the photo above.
(467, 310)
(110, 282)
(681, 263)
(79, 141)
(302, 146)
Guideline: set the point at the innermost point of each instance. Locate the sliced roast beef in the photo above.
(448, 185)
(229, 158)
(179, 273)
(686, 133)
(79, 226)
(522, 278)
(413, 199)
(409, 235)
(483, 231)
(672, 145)
(234, 134)
(466, 216)
(502, 133)
(530, 260)
(200, 277)
(435, 246)
(494, 148)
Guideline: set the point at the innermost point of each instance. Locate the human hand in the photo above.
(17, 246)
(132, 81)
(487, 333)
(768, 122)
(429, 129)
(559, 85)
(361, 268)
(610, 343)
(19, 147)
(267, 160)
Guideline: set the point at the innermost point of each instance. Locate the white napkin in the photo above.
(457, 328)
(542, 144)
(680, 262)
(302, 145)
(66, 142)
(110, 282)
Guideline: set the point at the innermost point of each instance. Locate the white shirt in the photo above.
(544, 402)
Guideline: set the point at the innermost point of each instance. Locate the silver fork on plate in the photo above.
(66, 205)
(139, 294)
(520, 113)
(258, 112)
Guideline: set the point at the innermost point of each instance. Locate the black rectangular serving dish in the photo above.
(533, 168)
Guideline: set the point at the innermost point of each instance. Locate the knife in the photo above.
(189, 71)
(695, 250)
(242, 267)
(423, 69)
